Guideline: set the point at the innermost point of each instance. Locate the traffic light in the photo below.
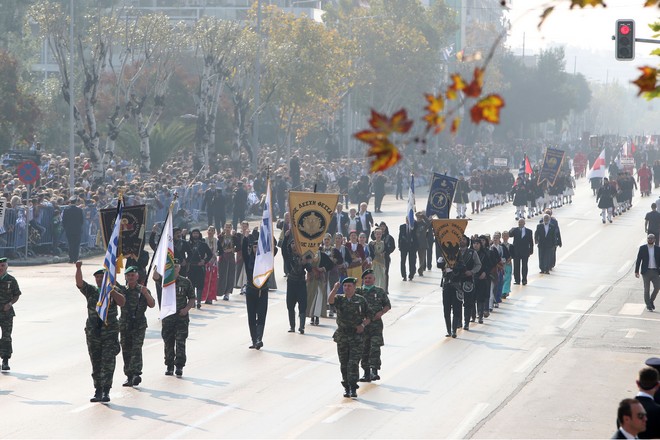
(625, 40)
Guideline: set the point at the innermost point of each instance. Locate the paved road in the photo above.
(553, 361)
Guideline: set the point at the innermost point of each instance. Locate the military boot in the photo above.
(129, 382)
(354, 388)
(98, 393)
(374, 374)
(347, 389)
(367, 376)
(105, 397)
(5, 364)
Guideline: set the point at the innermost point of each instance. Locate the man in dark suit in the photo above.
(339, 221)
(72, 222)
(364, 221)
(408, 249)
(631, 418)
(545, 237)
(239, 204)
(522, 248)
(648, 264)
(648, 384)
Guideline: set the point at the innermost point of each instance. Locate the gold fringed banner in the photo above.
(448, 233)
(310, 217)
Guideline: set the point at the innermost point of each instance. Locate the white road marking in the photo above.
(581, 305)
(570, 321)
(338, 415)
(632, 309)
(625, 266)
(183, 432)
(534, 357)
(631, 332)
(345, 409)
(573, 222)
(468, 422)
(600, 289)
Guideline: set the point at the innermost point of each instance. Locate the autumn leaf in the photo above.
(436, 103)
(386, 155)
(457, 84)
(434, 121)
(454, 126)
(583, 3)
(487, 109)
(473, 90)
(651, 3)
(370, 136)
(647, 81)
(546, 13)
(398, 123)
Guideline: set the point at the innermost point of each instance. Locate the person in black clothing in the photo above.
(296, 286)
(207, 204)
(343, 183)
(216, 207)
(199, 254)
(256, 298)
(279, 192)
(239, 204)
(408, 249)
(294, 173)
(399, 186)
(648, 385)
(72, 222)
(481, 277)
(379, 191)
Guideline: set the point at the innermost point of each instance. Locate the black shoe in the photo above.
(466, 327)
(366, 377)
(481, 320)
(179, 372)
(5, 365)
(105, 397)
(411, 277)
(137, 380)
(472, 319)
(347, 390)
(353, 390)
(169, 371)
(208, 302)
(374, 374)
(129, 382)
(254, 345)
(259, 345)
(291, 330)
(301, 331)
(98, 393)
(405, 279)
(525, 283)
(199, 305)
(453, 335)
(447, 335)
(516, 282)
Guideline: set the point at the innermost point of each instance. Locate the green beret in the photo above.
(130, 269)
(3, 260)
(99, 272)
(349, 280)
(367, 272)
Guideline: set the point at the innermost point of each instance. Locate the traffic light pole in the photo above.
(646, 40)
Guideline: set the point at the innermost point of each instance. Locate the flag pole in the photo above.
(120, 256)
(169, 212)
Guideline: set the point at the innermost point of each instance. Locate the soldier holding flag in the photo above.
(102, 338)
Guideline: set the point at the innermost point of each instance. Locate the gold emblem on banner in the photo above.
(310, 217)
(448, 233)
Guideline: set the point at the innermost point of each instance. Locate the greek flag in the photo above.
(111, 267)
(265, 259)
(411, 203)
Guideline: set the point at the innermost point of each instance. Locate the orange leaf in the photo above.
(647, 81)
(379, 122)
(583, 3)
(487, 109)
(651, 3)
(369, 136)
(436, 103)
(386, 155)
(454, 126)
(473, 90)
(456, 85)
(400, 122)
(434, 121)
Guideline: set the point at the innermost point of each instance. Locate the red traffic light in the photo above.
(624, 29)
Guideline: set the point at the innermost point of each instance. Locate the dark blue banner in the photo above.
(551, 165)
(441, 195)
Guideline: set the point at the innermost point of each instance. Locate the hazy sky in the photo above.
(584, 32)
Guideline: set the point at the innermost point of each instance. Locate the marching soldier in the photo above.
(133, 325)
(175, 326)
(102, 338)
(379, 304)
(9, 293)
(353, 316)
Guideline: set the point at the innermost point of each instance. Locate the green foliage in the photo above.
(165, 140)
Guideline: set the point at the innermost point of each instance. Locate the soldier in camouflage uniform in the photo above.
(133, 325)
(353, 316)
(175, 326)
(379, 304)
(102, 340)
(9, 293)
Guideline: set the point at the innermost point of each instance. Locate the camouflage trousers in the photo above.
(175, 333)
(373, 340)
(6, 325)
(131, 340)
(349, 350)
(103, 348)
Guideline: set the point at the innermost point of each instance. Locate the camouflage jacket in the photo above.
(133, 311)
(8, 291)
(184, 292)
(376, 298)
(351, 312)
(91, 294)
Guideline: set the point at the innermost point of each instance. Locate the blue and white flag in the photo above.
(410, 214)
(111, 267)
(265, 259)
(441, 195)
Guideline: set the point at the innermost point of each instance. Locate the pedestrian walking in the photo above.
(648, 264)
(9, 294)
(379, 304)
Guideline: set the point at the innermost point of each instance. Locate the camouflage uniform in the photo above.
(350, 314)
(8, 292)
(373, 333)
(132, 327)
(102, 341)
(175, 327)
